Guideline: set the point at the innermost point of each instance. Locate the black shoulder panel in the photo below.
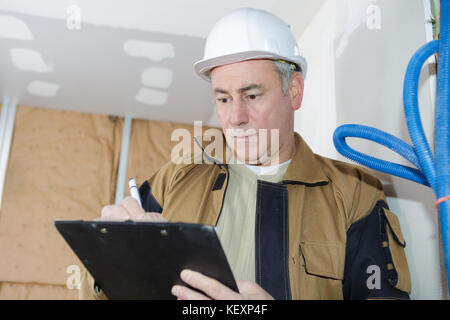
(149, 202)
(369, 271)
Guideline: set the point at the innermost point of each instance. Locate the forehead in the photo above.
(244, 73)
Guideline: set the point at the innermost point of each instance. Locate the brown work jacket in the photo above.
(323, 232)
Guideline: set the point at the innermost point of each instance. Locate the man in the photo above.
(294, 225)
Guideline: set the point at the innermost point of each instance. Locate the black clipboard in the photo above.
(143, 260)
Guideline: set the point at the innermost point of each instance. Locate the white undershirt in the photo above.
(265, 170)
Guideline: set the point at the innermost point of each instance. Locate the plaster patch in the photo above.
(157, 77)
(43, 89)
(155, 51)
(29, 60)
(14, 28)
(151, 96)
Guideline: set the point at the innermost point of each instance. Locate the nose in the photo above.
(238, 114)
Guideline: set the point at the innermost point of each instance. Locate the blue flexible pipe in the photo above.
(385, 139)
(410, 102)
(442, 131)
(432, 171)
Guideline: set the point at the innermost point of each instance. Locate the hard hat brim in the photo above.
(203, 67)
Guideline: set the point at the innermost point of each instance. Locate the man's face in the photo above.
(252, 108)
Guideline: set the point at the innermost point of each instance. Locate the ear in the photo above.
(296, 85)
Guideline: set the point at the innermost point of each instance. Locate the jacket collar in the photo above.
(303, 169)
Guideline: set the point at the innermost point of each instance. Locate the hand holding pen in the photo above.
(130, 208)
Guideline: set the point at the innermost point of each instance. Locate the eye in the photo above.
(252, 96)
(223, 100)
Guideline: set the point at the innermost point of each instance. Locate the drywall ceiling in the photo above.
(126, 58)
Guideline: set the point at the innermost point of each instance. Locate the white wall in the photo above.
(356, 76)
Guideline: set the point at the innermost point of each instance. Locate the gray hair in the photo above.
(285, 71)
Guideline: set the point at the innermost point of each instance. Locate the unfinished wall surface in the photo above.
(63, 165)
(150, 147)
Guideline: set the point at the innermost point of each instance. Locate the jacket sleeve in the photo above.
(154, 191)
(89, 290)
(375, 261)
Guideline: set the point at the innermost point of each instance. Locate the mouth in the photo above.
(244, 135)
(246, 138)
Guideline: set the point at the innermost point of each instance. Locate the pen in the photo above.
(134, 190)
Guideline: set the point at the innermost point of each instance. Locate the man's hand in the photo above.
(129, 209)
(213, 289)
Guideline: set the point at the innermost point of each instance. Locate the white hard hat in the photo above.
(246, 34)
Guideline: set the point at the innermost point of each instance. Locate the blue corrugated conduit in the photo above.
(431, 170)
